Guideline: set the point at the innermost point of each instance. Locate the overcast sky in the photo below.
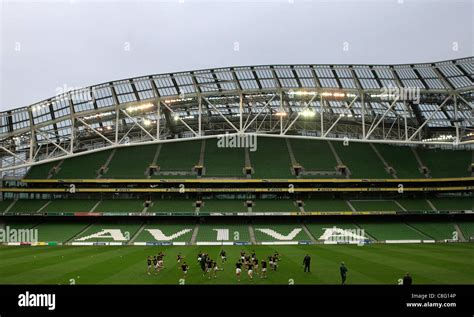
(46, 45)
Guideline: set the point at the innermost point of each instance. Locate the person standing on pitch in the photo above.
(407, 279)
(306, 263)
(343, 270)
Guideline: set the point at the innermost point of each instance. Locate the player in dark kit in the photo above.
(264, 269)
(202, 262)
(238, 270)
(242, 255)
(199, 257)
(155, 263)
(250, 270)
(215, 268)
(148, 261)
(270, 261)
(343, 271)
(160, 264)
(276, 259)
(247, 262)
(223, 256)
(209, 266)
(184, 268)
(179, 257)
(255, 266)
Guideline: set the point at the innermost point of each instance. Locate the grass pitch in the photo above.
(369, 264)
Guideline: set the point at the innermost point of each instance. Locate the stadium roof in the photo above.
(430, 102)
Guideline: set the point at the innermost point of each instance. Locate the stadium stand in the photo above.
(401, 159)
(435, 230)
(59, 231)
(224, 205)
(414, 204)
(70, 205)
(120, 205)
(173, 206)
(467, 228)
(356, 155)
(391, 231)
(325, 205)
(41, 171)
(223, 161)
(177, 159)
(5, 204)
(375, 205)
(446, 163)
(314, 156)
(21, 224)
(27, 206)
(271, 159)
(453, 203)
(121, 167)
(84, 166)
(274, 205)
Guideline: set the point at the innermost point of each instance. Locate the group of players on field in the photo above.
(247, 262)
(250, 264)
(158, 263)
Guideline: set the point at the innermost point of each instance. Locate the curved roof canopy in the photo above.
(430, 102)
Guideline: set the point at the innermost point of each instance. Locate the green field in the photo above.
(369, 264)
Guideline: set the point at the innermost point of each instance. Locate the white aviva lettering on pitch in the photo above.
(160, 236)
(272, 233)
(338, 234)
(115, 234)
(37, 300)
(222, 234)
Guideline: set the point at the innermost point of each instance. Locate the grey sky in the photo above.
(51, 44)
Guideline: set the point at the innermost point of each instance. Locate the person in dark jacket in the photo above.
(407, 279)
(343, 271)
(306, 263)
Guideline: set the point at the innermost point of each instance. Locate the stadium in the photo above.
(371, 165)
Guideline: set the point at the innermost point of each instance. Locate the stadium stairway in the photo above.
(401, 159)
(431, 205)
(55, 169)
(79, 234)
(104, 168)
(390, 170)
(460, 233)
(195, 234)
(340, 164)
(137, 234)
(421, 166)
(252, 234)
(356, 155)
(308, 233)
(154, 161)
(367, 234)
(419, 231)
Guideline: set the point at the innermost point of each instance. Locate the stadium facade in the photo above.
(370, 153)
